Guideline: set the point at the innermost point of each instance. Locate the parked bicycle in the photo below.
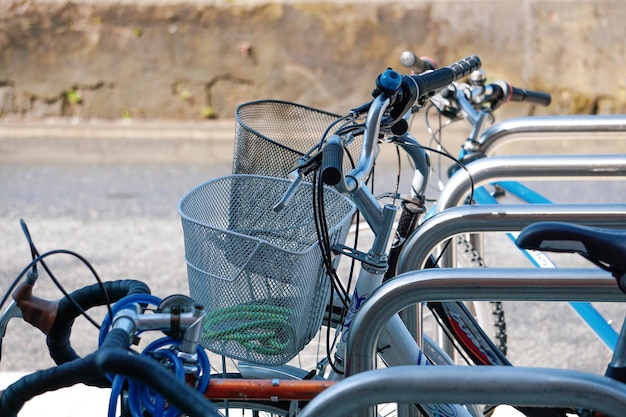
(271, 317)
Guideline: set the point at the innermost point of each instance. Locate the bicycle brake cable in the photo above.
(39, 259)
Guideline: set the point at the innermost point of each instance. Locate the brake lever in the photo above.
(296, 179)
(12, 311)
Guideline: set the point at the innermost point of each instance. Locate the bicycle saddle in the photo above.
(604, 247)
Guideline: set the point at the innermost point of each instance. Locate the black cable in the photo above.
(321, 228)
(457, 162)
(445, 247)
(35, 252)
(318, 147)
(39, 259)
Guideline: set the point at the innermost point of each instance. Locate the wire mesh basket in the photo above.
(259, 273)
(271, 135)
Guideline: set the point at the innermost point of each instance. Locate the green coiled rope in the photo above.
(263, 329)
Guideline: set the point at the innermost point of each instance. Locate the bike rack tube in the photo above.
(479, 284)
(585, 127)
(537, 167)
(500, 218)
(530, 167)
(471, 384)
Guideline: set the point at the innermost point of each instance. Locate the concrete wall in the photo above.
(193, 59)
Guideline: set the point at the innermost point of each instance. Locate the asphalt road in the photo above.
(113, 199)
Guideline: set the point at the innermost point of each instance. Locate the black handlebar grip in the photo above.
(58, 340)
(535, 97)
(441, 77)
(332, 163)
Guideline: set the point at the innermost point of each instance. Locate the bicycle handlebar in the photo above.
(536, 97)
(421, 64)
(442, 77)
(395, 94)
(55, 319)
(113, 358)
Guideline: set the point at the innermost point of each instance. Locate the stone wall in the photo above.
(194, 59)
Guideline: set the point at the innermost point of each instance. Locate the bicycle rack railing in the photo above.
(466, 385)
(494, 218)
(480, 284)
(584, 127)
(500, 218)
(477, 284)
(537, 167)
(533, 167)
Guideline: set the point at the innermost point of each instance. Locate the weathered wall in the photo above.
(199, 58)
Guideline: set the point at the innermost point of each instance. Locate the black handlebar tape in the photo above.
(111, 358)
(535, 97)
(441, 77)
(58, 340)
(332, 163)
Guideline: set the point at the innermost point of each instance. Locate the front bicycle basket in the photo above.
(259, 273)
(271, 135)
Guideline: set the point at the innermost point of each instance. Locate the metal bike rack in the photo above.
(586, 127)
(500, 218)
(537, 167)
(467, 385)
(479, 284)
(493, 218)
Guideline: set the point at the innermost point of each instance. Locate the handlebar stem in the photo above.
(192, 335)
(471, 114)
(126, 320)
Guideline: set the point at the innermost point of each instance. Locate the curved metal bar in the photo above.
(556, 167)
(367, 156)
(552, 127)
(500, 218)
(445, 284)
(468, 385)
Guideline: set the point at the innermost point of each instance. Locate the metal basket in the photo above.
(259, 273)
(271, 135)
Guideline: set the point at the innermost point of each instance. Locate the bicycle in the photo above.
(277, 129)
(113, 364)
